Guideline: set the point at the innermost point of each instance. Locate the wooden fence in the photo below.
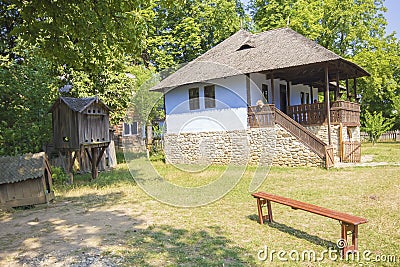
(391, 136)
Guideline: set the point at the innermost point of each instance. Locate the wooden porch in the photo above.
(345, 112)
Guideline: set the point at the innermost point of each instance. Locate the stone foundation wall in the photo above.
(348, 133)
(254, 146)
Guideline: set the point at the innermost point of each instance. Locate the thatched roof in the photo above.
(21, 168)
(282, 53)
(78, 104)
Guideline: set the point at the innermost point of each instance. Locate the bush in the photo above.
(375, 125)
(59, 176)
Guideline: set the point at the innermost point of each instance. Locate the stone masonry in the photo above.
(348, 133)
(264, 146)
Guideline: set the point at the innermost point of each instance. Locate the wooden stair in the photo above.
(270, 115)
(308, 138)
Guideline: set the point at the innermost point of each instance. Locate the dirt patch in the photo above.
(366, 161)
(67, 233)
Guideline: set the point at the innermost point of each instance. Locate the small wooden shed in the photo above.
(80, 121)
(81, 124)
(25, 180)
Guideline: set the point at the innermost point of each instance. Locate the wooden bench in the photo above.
(349, 223)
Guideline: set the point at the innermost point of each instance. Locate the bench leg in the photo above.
(270, 219)
(353, 247)
(261, 217)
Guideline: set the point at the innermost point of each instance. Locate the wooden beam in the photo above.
(88, 154)
(100, 155)
(337, 86)
(94, 161)
(72, 161)
(248, 91)
(272, 89)
(327, 103)
(355, 89)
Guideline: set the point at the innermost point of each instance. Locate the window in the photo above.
(130, 128)
(209, 96)
(264, 91)
(194, 98)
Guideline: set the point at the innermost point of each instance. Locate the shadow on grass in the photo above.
(297, 233)
(166, 245)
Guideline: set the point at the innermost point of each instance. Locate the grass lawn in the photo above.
(226, 232)
(382, 152)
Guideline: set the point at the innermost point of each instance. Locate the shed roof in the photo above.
(283, 52)
(21, 168)
(78, 104)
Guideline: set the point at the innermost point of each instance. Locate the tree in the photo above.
(375, 125)
(381, 91)
(183, 30)
(9, 19)
(344, 27)
(84, 35)
(27, 91)
(115, 88)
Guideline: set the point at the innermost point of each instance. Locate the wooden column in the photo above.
(94, 162)
(311, 95)
(337, 86)
(347, 89)
(327, 103)
(248, 90)
(288, 93)
(272, 89)
(355, 89)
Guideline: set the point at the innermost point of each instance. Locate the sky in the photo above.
(393, 7)
(392, 16)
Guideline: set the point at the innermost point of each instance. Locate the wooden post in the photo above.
(311, 95)
(272, 89)
(327, 103)
(248, 91)
(94, 162)
(288, 93)
(337, 86)
(355, 89)
(347, 89)
(341, 142)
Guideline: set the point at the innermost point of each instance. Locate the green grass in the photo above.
(382, 152)
(226, 232)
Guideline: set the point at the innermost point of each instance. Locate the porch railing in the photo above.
(261, 116)
(345, 112)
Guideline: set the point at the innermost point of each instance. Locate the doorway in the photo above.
(282, 98)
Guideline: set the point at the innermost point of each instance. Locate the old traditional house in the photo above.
(25, 180)
(130, 133)
(289, 100)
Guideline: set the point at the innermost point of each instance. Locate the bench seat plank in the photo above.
(343, 217)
